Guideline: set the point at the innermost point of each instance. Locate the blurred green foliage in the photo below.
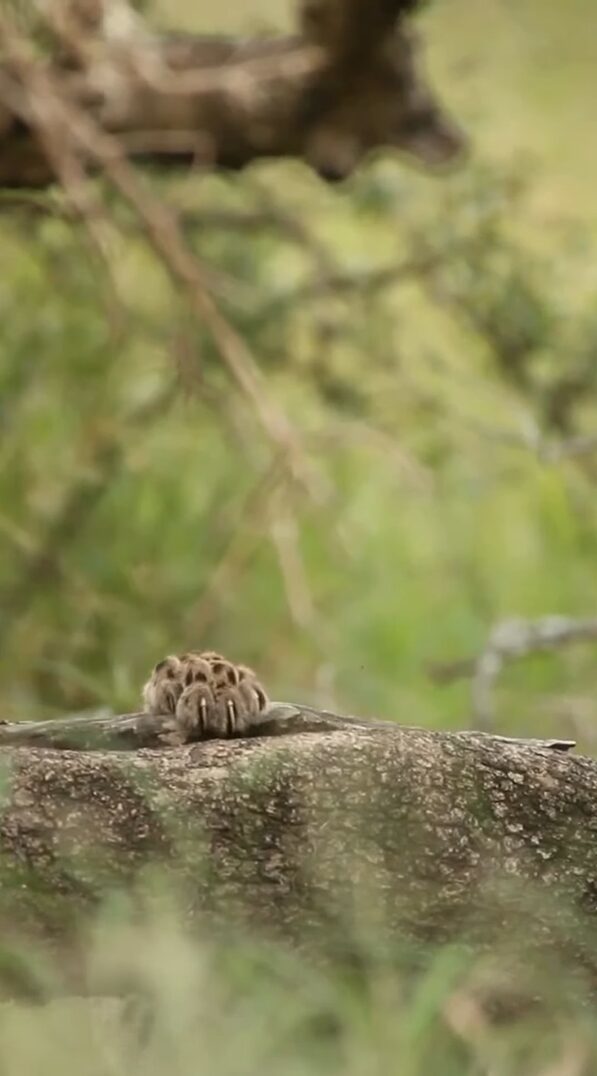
(427, 339)
(238, 1006)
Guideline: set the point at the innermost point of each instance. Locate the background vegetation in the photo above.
(433, 342)
(425, 337)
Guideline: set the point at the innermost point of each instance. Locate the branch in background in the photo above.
(285, 537)
(348, 83)
(530, 438)
(60, 126)
(569, 448)
(508, 641)
(245, 535)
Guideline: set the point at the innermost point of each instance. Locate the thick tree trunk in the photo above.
(348, 82)
(433, 834)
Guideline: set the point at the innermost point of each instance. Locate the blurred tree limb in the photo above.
(68, 135)
(510, 640)
(349, 81)
(436, 834)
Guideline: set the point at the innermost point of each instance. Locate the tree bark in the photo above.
(348, 82)
(314, 834)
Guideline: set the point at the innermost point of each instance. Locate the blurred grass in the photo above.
(242, 1007)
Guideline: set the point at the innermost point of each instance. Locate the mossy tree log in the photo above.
(435, 835)
(348, 81)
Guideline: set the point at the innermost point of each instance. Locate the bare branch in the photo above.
(511, 640)
(348, 84)
(68, 132)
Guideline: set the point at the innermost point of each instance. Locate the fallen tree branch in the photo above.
(137, 730)
(437, 835)
(347, 83)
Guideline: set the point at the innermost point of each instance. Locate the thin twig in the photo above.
(285, 538)
(531, 439)
(241, 73)
(511, 640)
(244, 536)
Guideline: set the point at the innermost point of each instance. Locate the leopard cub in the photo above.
(208, 696)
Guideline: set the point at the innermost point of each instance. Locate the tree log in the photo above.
(431, 835)
(348, 82)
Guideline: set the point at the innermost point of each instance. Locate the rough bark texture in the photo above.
(433, 834)
(348, 82)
